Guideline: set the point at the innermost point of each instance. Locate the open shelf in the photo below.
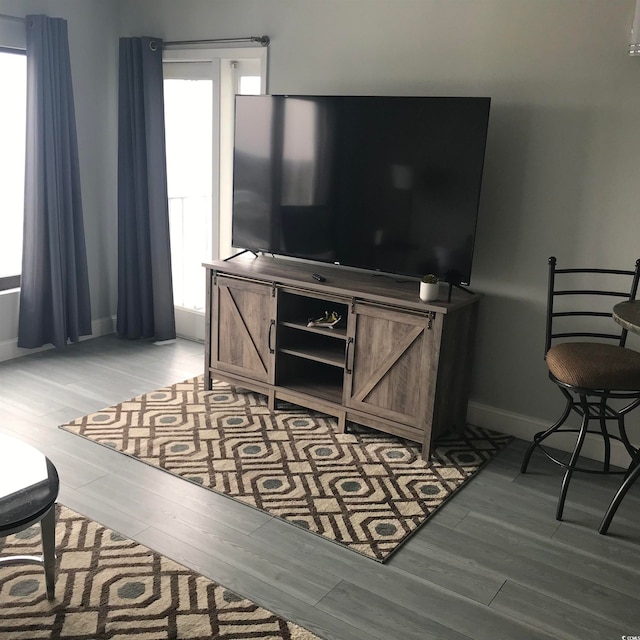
(296, 309)
(339, 331)
(331, 393)
(323, 346)
(312, 377)
(317, 346)
(324, 356)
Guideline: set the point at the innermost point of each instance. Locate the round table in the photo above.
(627, 315)
(28, 492)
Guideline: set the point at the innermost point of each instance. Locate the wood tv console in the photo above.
(393, 363)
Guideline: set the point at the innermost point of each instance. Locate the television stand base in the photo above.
(235, 255)
(458, 286)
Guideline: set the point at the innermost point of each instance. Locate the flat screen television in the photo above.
(383, 183)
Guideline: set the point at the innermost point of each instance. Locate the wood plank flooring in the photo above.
(492, 563)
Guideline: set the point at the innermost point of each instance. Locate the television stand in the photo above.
(392, 363)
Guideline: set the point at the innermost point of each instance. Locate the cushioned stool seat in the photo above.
(593, 365)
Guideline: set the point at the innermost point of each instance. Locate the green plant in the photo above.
(430, 278)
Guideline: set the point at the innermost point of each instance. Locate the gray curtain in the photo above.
(54, 297)
(145, 293)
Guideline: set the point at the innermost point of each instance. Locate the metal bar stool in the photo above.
(591, 367)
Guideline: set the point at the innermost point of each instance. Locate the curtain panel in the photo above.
(145, 291)
(54, 297)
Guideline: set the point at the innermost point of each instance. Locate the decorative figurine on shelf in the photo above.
(327, 320)
(429, 287)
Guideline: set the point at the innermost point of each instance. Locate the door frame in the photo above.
(223, 70)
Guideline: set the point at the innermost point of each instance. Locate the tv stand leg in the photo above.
(235, 255)
(457, 286)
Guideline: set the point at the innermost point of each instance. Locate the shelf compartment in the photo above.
(313, 378)
(339, 331)
(323, 356)
(295, 310)
(312, 346)
(329, 393)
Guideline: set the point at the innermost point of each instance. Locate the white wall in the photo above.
(561, 172)
(561, 175)
(93, 45)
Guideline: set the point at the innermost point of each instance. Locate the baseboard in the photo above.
(9, 349)
(190, 324)
(525, 427)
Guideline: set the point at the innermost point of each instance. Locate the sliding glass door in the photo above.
(199, 98)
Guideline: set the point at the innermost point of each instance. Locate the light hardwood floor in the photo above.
(492, 563)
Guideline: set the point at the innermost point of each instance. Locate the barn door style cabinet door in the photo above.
(392, 363)
(243, 329)
(388, 375)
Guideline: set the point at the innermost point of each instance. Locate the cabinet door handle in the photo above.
(272, 324)
(348, 369)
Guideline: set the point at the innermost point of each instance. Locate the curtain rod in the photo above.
(4, 16)
(263, 41)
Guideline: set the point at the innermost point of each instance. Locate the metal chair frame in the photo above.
(589, 404)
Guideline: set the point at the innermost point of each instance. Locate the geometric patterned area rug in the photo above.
(364, 489)
(110, 587)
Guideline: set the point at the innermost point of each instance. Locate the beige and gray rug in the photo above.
(366, 490)
(109, 587)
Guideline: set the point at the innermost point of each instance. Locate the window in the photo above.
(188, 119)
(249, 85)
(13, 89)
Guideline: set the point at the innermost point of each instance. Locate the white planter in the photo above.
(429, 291)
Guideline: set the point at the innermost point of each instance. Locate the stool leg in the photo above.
(617, 499)
(48, 528)
(632, 451)
(605, 436)
(539, 437)
(574, 458)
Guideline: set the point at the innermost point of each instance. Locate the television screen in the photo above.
(385, 183)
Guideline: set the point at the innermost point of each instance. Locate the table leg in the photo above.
(48, 528)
